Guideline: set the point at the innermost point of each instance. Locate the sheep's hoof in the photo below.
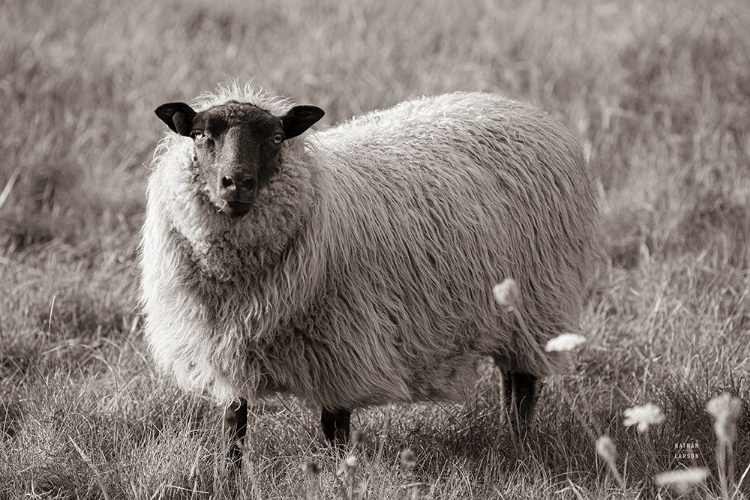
(336, 424)
(235, 418)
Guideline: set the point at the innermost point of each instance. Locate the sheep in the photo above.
(353, 266)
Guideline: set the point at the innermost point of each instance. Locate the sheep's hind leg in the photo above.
(336, 425)
(520, 397)
(235, 418)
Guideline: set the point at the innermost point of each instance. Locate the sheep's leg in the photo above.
(235, 418)
(520, 396)
(336, 425)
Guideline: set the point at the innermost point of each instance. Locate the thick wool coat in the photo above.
(364, 272)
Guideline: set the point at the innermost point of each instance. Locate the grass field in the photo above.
(657, 92)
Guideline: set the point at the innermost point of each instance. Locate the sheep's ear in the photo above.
(300, 118)
(177, 115)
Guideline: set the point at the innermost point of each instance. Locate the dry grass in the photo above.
(659, 94)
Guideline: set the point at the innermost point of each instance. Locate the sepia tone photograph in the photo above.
(375, 249)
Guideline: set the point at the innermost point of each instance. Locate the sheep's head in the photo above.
(237, 147)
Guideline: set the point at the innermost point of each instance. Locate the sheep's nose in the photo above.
(237, 187)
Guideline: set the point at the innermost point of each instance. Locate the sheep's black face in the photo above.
(237, 147)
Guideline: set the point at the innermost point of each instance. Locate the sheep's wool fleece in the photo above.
(364, 272)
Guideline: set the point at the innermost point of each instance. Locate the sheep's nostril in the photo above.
(248, 184)
(227, 182)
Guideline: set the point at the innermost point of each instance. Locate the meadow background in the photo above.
(658, 94)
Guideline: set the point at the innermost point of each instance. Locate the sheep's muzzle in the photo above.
(237, 191)
(236, 208)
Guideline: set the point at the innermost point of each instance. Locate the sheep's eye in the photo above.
(196, 134)
(278, 138)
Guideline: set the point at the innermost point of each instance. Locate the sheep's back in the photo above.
(435, 201)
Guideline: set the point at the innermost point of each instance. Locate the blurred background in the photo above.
(658, 93)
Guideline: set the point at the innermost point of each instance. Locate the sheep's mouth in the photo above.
(236, 209)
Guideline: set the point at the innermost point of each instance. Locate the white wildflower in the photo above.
(682, 480)
(506, 294)
(726, 410)
(349, 463)
(565, 342)
(645, 416)
(606, 449)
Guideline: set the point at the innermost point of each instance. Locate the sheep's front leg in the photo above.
(235, 418)
(520, 396)
(336, 425)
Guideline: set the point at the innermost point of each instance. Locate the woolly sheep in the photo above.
(354, 266)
